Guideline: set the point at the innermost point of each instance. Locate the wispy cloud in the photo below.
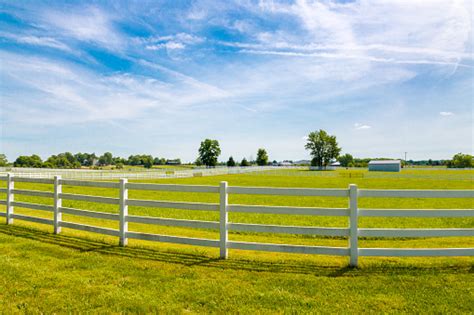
(90, 24)
(71, 89)
(359, 126)
(37, 41)
(446, 113)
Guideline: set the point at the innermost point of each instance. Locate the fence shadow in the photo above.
(192, 259)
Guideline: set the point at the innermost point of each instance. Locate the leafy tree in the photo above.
(106, 159)
(62, 160)
(209, 151)
(134, 160)
(323, 147)
(262, 157)
(198, 162)
(118, 160)
(159, 161)
(244, 162)
(85, 159)
(147, 161)
(461, 161)
(231, 162)
(28, 161)
(3, 160)
(346, 160)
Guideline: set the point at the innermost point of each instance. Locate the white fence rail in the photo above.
(352, 212)
(45, 175)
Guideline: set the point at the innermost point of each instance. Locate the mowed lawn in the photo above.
(79, 271)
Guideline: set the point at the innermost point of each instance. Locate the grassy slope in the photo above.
(80, 271)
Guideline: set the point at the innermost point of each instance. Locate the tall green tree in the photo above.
(244, 162)
(461, 161)
(106, 159)
(28, 161)
(62, 160)
(147, 161)
(209, 151)
(346, 160)
(86, 159)
(262, 157)
(231, 162)
(323, 148)
(3, 160)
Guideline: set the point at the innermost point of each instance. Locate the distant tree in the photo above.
(346, 160)
(198, 162)
(361, 162)
(159, 161)
(28, 161)
(323, 148)
(461, 161)
(147, 161)
(3, 160)
(62, 160)
(118, 160)
(231, 162)
(244, 162)
(106, 159)
(85, 159)
(262, 157)
(119, 166)
(209, 151)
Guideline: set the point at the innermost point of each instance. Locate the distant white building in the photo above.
(335, 164)
(385, 166)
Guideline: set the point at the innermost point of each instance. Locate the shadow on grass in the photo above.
(191, 259)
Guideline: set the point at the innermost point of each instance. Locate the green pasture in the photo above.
(79, 271)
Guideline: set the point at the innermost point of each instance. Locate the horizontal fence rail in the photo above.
(352, 213)
(40, 175)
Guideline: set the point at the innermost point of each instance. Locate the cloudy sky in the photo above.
(157, 77)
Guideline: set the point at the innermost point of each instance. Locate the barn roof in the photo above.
(384, 162)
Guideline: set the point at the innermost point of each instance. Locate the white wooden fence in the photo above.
(352, 212)
(84, 174)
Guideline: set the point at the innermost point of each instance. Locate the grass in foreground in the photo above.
(79, 271)
(45, 273)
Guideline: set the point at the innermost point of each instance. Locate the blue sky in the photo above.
(158, 77)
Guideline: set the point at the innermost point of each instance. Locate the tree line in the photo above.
(68, 160)
(323, 149)
(322, 146)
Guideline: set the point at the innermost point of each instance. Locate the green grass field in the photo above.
(79, 271)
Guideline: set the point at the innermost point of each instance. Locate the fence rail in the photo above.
(45, 175)
(352, 212)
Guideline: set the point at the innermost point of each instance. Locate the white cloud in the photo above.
(359, 126)
(167, 45)
(37, 41)
(67, 93)
(424, 32)
(90, 24)
(446, 113)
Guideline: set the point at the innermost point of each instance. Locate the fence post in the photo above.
(353, 227)
(123, 229)
(10, 197)
(58, 189)
(223, 219)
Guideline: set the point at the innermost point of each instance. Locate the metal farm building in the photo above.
(385, 166)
